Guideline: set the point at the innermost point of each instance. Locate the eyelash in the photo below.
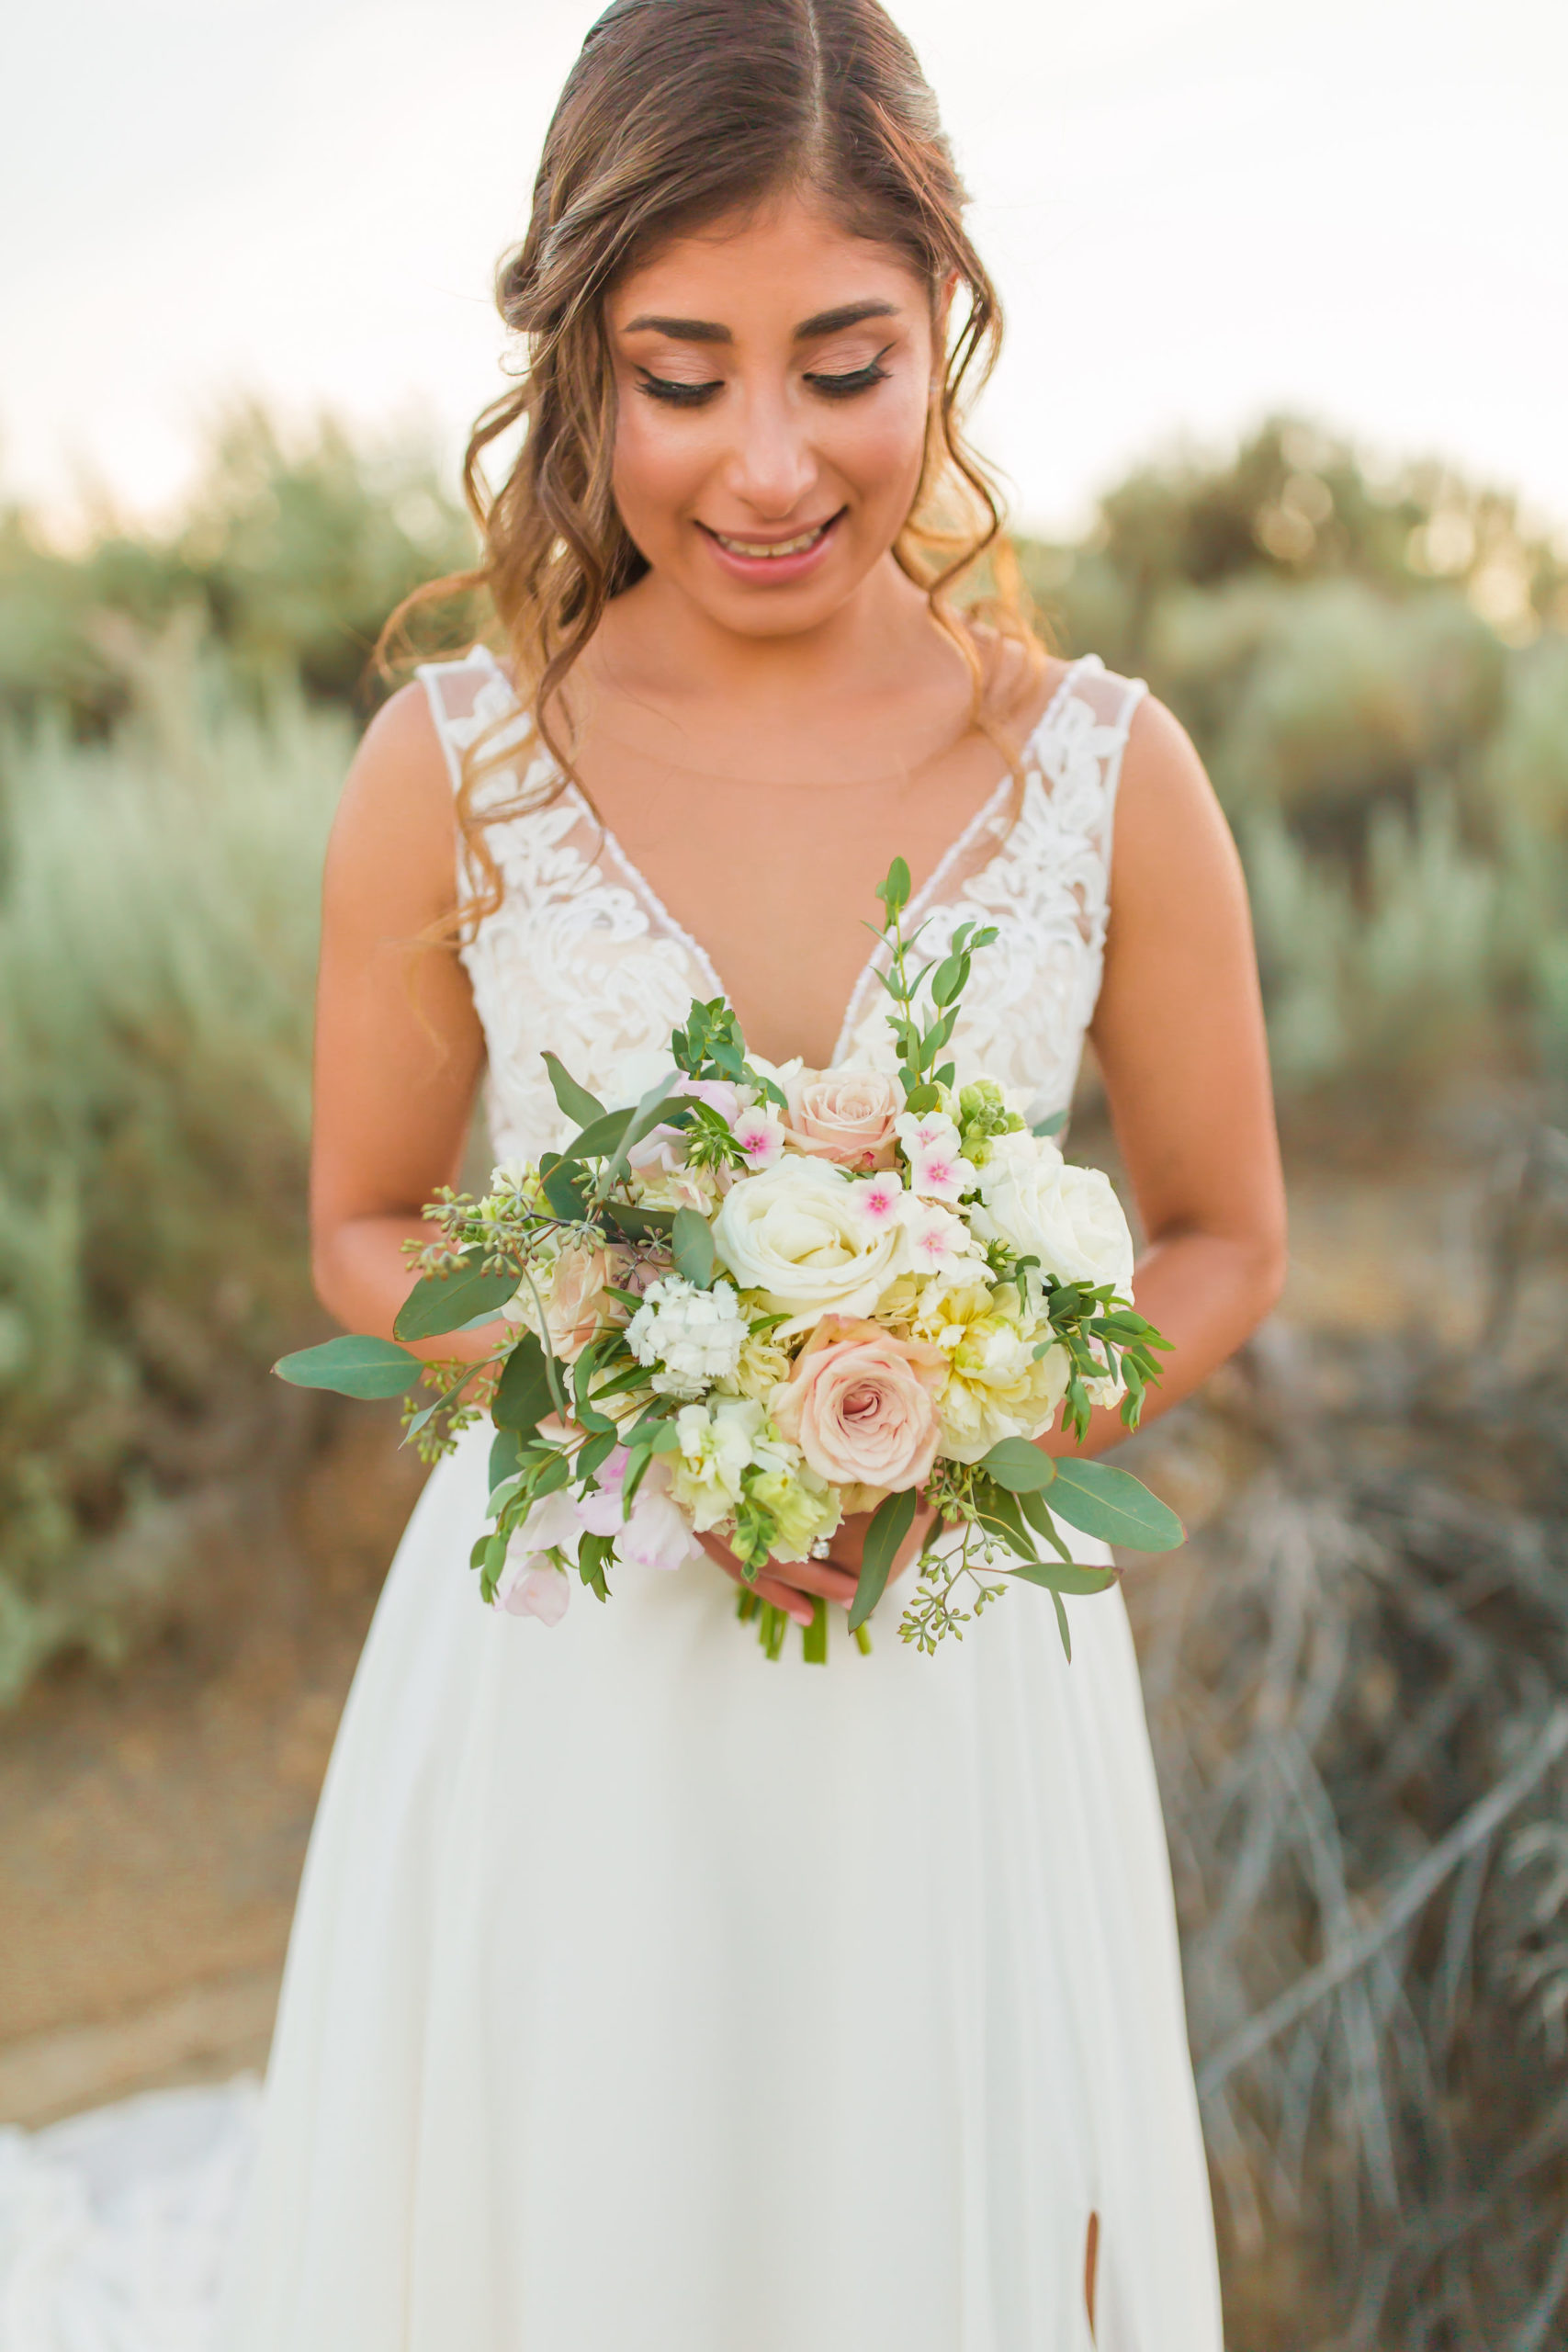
(832, 388)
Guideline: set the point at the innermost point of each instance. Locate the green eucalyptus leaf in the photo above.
(523, 1396)
(594, 1555)
(1064, 1576)
(1062, 1626)
(1037, 1511)
(999, 1514)
(566, 1188)
(505, 1455)
(574, 1100)
(601, 1135)
(692, 1242)
(894, 889)
(635, 1224)
(1017, 1465)
(890, 1522)
(593, 1456)
(1114, 1506)
(352, 1366)
(501, 1496)
(442, 1302)
(493, 1561)
(1051, 1126)
(555, 1475)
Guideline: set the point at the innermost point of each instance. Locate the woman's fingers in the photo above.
(835, 1583)
(789, 1587)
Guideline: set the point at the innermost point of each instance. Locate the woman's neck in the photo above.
(656, 644)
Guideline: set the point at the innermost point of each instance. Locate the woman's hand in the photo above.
(791, 1585)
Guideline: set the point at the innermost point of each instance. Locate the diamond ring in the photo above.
(819, 1548)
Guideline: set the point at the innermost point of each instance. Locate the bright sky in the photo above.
(1356, 209)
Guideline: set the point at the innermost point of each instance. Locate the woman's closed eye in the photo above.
(837, 386)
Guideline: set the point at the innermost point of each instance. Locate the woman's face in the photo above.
(774, 378)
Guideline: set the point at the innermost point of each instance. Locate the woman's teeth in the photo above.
(778, 547)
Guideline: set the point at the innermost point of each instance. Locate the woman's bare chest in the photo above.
(776, 879)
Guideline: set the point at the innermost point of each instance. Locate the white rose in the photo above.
(796, 1234)
(1040, 1206)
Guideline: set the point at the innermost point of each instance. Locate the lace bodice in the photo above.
(581, 957)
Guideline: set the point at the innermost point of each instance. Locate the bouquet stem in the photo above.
(772, 1627)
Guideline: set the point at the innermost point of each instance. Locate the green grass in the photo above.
(158, 919)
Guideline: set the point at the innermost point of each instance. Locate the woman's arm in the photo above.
(399, 1045)
(1179, 1031)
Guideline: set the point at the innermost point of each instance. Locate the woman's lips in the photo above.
(771, 560)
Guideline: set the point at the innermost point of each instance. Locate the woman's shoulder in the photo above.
(1023, 682)
(392, 835)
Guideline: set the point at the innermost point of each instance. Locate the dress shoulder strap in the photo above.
(1091, 718)
(469, 697)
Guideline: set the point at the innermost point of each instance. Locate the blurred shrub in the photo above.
(1375, 671)
(1356, 1678)
(291, 552)
(158, 899)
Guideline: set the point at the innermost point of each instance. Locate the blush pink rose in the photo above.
(861, 1404)
(844, 1115)
(577, 1304)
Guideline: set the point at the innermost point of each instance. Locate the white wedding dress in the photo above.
(645, 1995)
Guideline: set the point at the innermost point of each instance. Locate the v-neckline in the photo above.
(921, 901)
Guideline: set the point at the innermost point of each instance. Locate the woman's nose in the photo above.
(772, 466)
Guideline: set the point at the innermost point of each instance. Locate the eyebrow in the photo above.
(848, 314)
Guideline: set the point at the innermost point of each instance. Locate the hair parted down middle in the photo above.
(678, 113)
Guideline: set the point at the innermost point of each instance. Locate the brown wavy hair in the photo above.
(678, 113)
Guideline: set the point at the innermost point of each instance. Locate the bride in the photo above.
(646, 1995)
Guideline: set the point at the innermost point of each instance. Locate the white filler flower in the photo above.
(697, 1334)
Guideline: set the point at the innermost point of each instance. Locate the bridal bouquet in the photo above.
(762, 1297)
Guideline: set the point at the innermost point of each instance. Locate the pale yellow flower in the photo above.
(803, 1506)
(995, 1387)
(763, 1365)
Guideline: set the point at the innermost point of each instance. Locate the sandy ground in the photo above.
(153, 1825)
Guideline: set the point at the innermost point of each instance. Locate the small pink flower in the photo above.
(861, 1404)
(761, 1134)
(531, 1584)
(542, 1592)
(656, 1534)
(939, 1173)
(934, 1238)
(844, 1115)
(878, 1198)
(926, 1131)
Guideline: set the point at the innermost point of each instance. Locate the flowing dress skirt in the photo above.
(645, 1995)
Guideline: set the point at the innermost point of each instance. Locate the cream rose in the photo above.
(576, 1304)
(1041, 1207)
(844, 1115)
(862, 1407)
(797, 1235)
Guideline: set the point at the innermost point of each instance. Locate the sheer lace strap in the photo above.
(1110, 703)
(469, 697)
